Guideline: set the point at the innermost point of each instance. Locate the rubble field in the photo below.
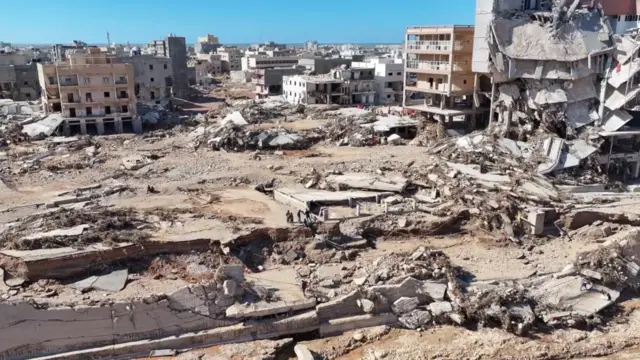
(180, 238)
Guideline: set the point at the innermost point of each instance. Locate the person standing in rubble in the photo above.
(289, 216)
(303, 285)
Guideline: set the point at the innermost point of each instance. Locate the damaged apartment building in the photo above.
(90, 93)
(342, 86)
(439, 81)
(153, 77)
(18, 77)
(559, 69)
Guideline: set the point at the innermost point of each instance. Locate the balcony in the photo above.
(429, 46)
(72, 82)
(121, 81)
(427, 65)
(123, 96)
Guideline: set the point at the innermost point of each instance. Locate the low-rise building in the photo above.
(254, 62)
(440, 82)
(208, 44)
(204, 70)
(153, 77)
(230, 56)
(320, 65)
(93, 92)
(342, 86)
(18, 77)
(269, 81)
(389, 79)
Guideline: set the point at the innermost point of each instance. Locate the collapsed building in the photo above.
(562, 78)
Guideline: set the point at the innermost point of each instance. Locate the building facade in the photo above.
(254, 62)
(439, 79)
(94, 93)
(18, 77)
(230, 56)
(389, 79)
(342, 86)
(153, 77)
(269, 81)
(208, 44)
(319, 65)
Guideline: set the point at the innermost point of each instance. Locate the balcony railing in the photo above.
(428, 65)
(69, 83)
(123, 96)
(121, 81)
(429, 45)
(438, 65)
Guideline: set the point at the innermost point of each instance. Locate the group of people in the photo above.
(304, 217)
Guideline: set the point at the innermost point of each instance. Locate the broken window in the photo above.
(152, 79)
(107, 109)
(399, 73)
(108, 61)
(125, 109)
(464, 82)
(123, 95)
(390, 74)
(28, 95)
(72, 112)
(88, 97)
(89, 111)
(26, 83)
(165, 66)
(153, 95)
(107, 94)
(52, 80)
(150, 66)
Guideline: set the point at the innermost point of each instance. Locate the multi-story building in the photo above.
(208, 44)
(202, 71)
(230, 56)
(18, 77)
(439, 79)
(94, 93)
(175, 48)
(342, 86)
(389, 78)
(320, 65)
(153, 77)
(254, 62)
(269, 81)
(312, 89)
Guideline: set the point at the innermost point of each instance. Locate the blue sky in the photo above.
(244, 21)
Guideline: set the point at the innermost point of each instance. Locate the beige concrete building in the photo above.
(438, 76)
(94, 92)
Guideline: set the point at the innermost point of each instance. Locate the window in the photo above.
(125, 109)
(108, 61)
(153, 95)
(390, 74)
(105, 80)
(150, 66)
(399, 73)
(123, 95)
(88, 97)
(72, 112)
(26, 83)
(89, 111)
(165, 66)
(152, 79)
(464, 82)
(67, 80)
(631, 18)
(52, 80)
(87, 80)
(370, 72)
(388, 96)
(28, 95)
(107, 94)
(107, 109)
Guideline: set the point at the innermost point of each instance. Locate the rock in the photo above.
(358, 336)
(134, 162)
(404, 305)
(402, 222)
(415, 319)
(417, 254)
(380, 354)
(328, 283)
(367, 306)
(311, 183)
(394, 139)
(360, 281)
(591, 274)
(436, 291)
(392, 200)
(332, 294)
(606, 230)
(304, 271)
(456, 318)
(568, 270)
(291, 256)
(439, 308)
(278, 152)
(302, 352)
(229, 287)
(520, 256)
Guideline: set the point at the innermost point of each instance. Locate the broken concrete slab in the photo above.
(404, 305)
(435, 291)
(266, 309)
(368, 182)
(367, 305)
(303, 198)
(302, 352)
(112, 282)
(135, 162)
(336, 326)
(73, 231)
(569, 293)
(440, 308)
(415, 319)
(474, 172)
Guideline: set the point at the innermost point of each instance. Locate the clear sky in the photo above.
(243, 21)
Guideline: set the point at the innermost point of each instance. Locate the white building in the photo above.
(254, 62)
(342, 86)
(389, 79)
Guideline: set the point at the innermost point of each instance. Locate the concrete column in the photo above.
(358, 210)
(493, 93)
(536, 222)
(118, 124)
(136, 122)
(65, 129)
(453, 39)
(100, 127)
(325, 214)
(83, 127)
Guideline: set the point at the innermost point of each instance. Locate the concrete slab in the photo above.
(301, 198)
